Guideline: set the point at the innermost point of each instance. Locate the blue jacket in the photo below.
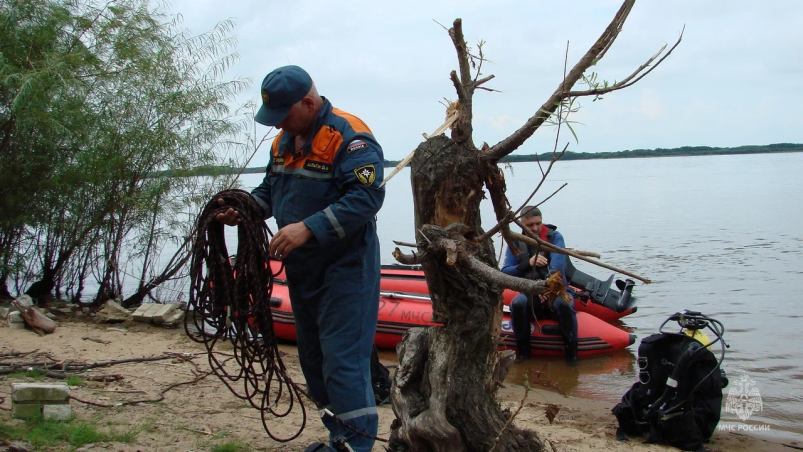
(520, 266)
(331, 184)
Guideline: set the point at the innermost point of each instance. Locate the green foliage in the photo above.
(34, 374)
(660, 152)
(231, 446)
(44, 434)
(94, 98)
(73, 380)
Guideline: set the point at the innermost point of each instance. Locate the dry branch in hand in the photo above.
(495, 276)
(532, 239)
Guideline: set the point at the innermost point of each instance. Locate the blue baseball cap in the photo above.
(282, 88)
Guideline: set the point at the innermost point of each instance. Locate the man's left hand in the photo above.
(289, 238)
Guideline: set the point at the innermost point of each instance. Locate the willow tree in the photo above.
(96, 98)
(443, 393)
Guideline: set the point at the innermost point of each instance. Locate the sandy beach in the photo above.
(199, 416)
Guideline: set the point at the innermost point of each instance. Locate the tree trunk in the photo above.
(4, 293)
(443, 394)
(170, 271)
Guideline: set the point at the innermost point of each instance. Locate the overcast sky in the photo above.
(737, 77)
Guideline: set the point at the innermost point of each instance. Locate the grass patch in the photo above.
(74, 380)
(41, 433)
(33, 374)
(234, 405)
(231, 446)
(220, 434)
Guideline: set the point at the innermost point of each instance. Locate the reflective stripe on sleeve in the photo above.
(335, 224)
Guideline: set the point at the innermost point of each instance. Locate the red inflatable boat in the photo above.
(400, 312)
(591, 295)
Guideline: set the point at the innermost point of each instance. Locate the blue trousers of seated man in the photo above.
(521, 315)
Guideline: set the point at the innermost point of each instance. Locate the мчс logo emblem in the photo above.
(366, 174)
(743, 398)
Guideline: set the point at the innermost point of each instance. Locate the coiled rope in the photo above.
(231, 309)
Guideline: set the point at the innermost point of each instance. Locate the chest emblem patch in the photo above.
(366, 174)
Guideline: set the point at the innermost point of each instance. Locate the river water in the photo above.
(717, 234)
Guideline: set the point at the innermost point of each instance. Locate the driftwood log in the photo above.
(38, 322)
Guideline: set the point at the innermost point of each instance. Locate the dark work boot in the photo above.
(524, 351)
(571, 353)
(342, 446)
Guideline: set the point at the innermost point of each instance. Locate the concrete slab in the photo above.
(40, 392)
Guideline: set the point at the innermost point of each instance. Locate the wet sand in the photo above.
(208, 406)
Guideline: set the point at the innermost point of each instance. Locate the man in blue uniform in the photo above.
(322, 185)
(532, 265)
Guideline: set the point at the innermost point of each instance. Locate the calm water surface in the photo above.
(718, 234)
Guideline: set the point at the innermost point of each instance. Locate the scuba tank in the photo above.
(678, 397)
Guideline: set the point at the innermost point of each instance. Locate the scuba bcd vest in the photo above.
(527, 251)
(678, 397)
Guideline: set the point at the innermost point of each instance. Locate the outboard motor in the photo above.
(601, 292)
(626, 289)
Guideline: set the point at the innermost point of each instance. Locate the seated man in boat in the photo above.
(532, 265)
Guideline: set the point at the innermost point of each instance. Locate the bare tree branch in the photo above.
(515, 140)
(488, 234)
(543, 179)
(495, 183)
(413, 245)
(531, 239)
(406, 259)
(626, 82)
(553, 194)
(461, 92)
(463, 128)
(495, 276)
(483, 80)
(456, 33)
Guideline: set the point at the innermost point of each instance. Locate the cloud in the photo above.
(649, 104)
(389, 63)
(503, 122)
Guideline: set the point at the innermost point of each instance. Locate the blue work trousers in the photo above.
(335, 310)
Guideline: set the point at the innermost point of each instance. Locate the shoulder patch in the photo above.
(319, 167)
(356, 145)
(278, 160)
(366, 174)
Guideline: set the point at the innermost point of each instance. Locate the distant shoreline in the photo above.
(685, 151)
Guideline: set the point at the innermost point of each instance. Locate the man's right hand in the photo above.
(538, 261)
(229, 217)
